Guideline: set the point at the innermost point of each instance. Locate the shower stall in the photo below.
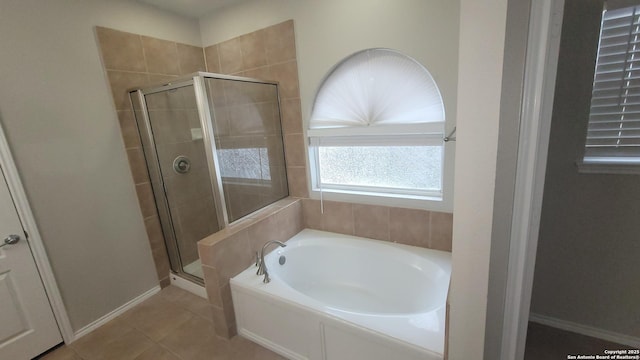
(214, 150)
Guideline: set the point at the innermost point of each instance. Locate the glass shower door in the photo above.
(184, 172)
(249, 146)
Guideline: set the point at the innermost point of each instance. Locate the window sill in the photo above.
(393, 200)
(607, 168)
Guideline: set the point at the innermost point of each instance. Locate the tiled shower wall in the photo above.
(247, 133)
(173, 115)
(132, 60)
(270, 54)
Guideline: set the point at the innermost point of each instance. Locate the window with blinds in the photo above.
(377, 128)
(613, 135)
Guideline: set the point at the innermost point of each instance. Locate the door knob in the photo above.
(10, 240)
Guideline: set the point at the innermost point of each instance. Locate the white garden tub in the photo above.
(343, 297)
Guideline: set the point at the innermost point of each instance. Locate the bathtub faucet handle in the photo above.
(262, 267)
(257, 259)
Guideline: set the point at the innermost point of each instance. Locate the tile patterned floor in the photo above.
(171, 325)
(547, 343)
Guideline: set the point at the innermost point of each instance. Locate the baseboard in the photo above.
(586, 330)
(115, 313)
(189, 286)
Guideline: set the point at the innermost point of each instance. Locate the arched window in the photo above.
(377, 127)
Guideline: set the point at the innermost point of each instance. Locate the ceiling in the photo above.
(190, 8)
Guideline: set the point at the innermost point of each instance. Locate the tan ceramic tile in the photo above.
(138, 166)
(158, 79)
(190, 59)
(294, 147)
(441, 231)
(194, 222)
(275, 150)
(161, 261)
(230, 56)
(161, 56)
(129, 129)
(231, 256)
(409, 226)
(156, 317)
(212, 59)
(291, 116)
(243, 349)
(146, 200)
(165, 281)
(289, 220)
(261, 73)
(220, 323)
(263, 231)
(91, 345)
(193, 303)
(64, 352)
(338, 217)
(252, 119)
(253, 51)
(121, 50)
(311, 215)
(154, 232)
(122, 81)
(280, 42)
(297, 178)
(126, 347)
(227, 304)
(170, 126)
(371, 221)
(156, 352)
(166, 100)
(196, 340)
(287, 74)
(212, 286)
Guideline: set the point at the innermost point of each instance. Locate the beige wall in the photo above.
(482, 36)
(587, 264)
(328, 31)
(57, 110)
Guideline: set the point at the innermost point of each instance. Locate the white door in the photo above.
(27, 324)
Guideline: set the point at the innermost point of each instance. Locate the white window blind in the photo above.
(377, 91)
(377, 128)
(613, 135)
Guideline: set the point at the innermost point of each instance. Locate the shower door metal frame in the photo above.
(157, 181)
(206, 114)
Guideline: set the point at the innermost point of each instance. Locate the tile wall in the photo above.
(270, 54)
(132, 60)
(248, 135)
(231, 250)
(174, 118)
(414, 227)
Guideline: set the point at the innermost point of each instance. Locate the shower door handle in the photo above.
(10, 240)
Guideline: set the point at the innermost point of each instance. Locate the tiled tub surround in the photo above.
(132, 60)
(230, 251)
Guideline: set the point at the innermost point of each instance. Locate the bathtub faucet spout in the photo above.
(262, 267)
